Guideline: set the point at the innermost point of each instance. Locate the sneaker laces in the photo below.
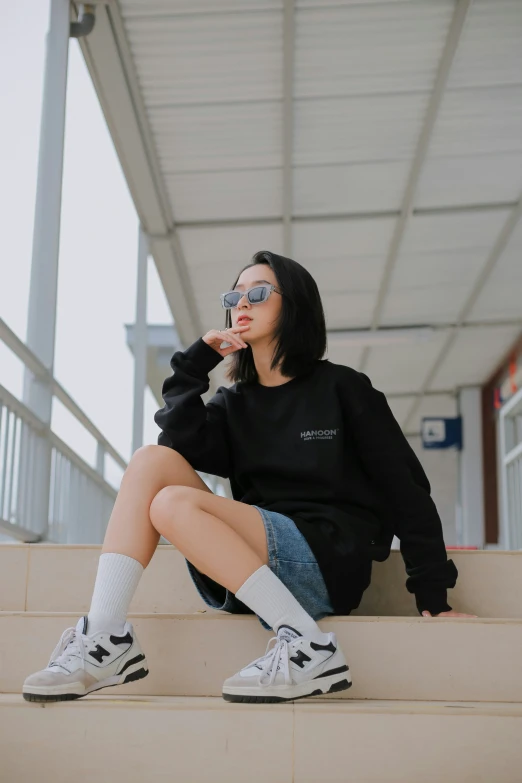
(274, 660)
(71, 645)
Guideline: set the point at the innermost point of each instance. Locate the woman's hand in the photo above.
(447, 614)
(215, 337)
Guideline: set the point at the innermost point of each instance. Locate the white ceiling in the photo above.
(384, 153)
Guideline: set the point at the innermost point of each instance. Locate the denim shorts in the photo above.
(291, 560)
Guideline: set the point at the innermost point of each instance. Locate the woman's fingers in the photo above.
(233, 338)
(215, 337)
(237, 337)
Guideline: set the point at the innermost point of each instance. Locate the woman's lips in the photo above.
(244, 320)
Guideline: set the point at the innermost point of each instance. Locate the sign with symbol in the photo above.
(440, 433)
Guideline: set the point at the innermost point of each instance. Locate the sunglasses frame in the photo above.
(246, 293)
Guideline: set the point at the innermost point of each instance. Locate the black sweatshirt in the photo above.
(325, 450)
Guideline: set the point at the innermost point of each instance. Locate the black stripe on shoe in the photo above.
(139, 674)
(137, 659)
(332, 671)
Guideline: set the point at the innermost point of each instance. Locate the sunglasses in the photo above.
(255, 295)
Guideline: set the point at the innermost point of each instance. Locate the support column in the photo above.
(140, 342)
(41, 324)
(471, 476)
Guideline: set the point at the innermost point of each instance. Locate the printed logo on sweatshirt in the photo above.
(319, 434)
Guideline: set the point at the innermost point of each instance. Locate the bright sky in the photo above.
(98, 245)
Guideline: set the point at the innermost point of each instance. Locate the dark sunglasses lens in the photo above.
(231, 299)
(257, 295)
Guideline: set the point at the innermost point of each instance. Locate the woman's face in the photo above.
(263, 317)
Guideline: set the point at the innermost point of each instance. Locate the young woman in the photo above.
(322, 478)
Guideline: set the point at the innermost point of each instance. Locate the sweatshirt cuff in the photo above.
(202, 356)
(434, 601)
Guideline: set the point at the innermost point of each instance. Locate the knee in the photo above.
(148, 454)
(151, 457)
(141, 462)
(169, 503)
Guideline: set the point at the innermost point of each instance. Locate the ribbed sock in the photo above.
(269, 598)
(116, 583)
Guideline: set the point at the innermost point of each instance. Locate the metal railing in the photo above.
(510, 440)
(32, 456)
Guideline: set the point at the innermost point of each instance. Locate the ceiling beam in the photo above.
(408, 395)
(342, 216)
(452, 41)
(496, 252)
(288, 122)
(111, 66)
(438, 327)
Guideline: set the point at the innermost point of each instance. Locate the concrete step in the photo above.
(389, 657)
(60, 578)
(205, 740)
(46, 577)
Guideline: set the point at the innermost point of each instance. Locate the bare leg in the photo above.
(223, 538)
(226, 540)
(162, 494)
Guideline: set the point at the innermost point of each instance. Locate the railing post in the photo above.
(100, 459)
(41, 326)
(140, 342)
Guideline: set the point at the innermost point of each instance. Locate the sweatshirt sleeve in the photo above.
(391, 463)
(196, 430)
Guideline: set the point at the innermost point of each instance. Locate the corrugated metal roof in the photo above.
(368, 132)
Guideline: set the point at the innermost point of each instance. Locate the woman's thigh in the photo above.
(244, 519)
(290, 559)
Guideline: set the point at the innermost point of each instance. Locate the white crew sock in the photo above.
(272, 600)
(116, 583)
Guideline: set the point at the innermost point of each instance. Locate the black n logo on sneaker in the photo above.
(300, 658)
(99, 653)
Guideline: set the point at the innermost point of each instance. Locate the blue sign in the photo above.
(440, 433)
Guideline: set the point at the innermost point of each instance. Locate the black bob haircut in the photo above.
(300, 334)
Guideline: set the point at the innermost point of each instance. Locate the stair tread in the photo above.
(54, 545)
(381, 706)
(226, 616)
(389, 657)
(32, 578)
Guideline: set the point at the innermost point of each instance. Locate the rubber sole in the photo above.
(39, 698)
(343, 685)
(139, 674)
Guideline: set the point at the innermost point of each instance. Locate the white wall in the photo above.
(442, 469)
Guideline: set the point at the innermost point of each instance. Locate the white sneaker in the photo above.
(82, 663)
(294, 668)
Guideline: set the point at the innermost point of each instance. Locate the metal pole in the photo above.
(100, 459)
(288, 122)
(41, 323)
(471, 476)
(140, 342)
